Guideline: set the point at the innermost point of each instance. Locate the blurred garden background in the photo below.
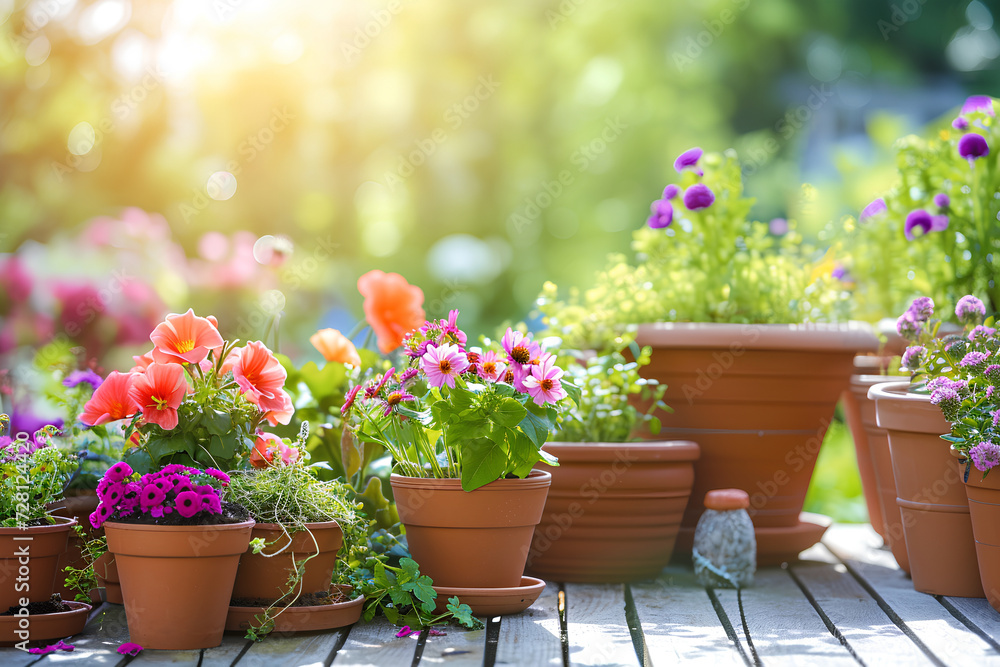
(251, 159)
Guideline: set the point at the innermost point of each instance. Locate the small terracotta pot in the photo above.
(862, 409)
(32, 555)
(613, 510)
(476, 539)
(177, 581)
(758, 400)
(266, 577)
(106, 572)
(77, 507)
(930, 493)
(984, 507)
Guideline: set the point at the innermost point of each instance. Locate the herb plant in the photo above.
(33, 474)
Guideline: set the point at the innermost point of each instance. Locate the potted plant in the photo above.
(615, 506)
(465, 428)
(934, 508)
(962, 372)
(177, 546)
(742, 322)
(33, 476)
(284, 579)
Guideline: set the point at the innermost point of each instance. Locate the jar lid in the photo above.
(727, 499)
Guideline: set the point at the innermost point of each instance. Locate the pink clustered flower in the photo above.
(985, 455)
(970, 310)
(122, 493)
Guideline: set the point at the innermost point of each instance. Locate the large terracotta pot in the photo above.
(868, 435)
(177, 581)
(984, 507)
(29, 560)
(758, 400)
(476, 539)
(613, 510)
(930, 493)
(266, 577)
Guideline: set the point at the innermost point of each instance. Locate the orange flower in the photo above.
(184, 338)
(262, 380)
(142, 362)
(111, 401)
(335, 346)
(392, 307)
(158, 392)
(266, 446)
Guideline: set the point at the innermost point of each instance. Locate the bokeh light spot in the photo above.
(81, 139)
(221, 186)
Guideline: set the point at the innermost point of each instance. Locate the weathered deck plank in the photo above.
(596, 627)
(680, 624)
(292, 650)
(233, 644)
(459, 647)
(980, 613)
(375, 645)
(784, 627)
(533, 637)
(99, 642)
(151, 657)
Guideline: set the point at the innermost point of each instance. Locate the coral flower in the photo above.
(262, 454)
(334, 346)
(142, 362)
(443, 364)
(158, 392)
(543, 383)
(259, 374)
(281, 411)
(392, 307)
(111, 401)
(184, 338)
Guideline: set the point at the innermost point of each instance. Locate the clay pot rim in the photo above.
(535, 479)
(311, 525)
(932, 507)
(62, 523)
(647, 450)
(849, 336)
(137, 527)
(899, 391)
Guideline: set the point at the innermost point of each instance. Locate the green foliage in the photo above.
(32, 475)
(82, 580)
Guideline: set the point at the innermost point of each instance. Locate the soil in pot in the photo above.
(477, 539)
(613, 511)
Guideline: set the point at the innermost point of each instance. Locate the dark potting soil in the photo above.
(53, 605)
(231, 513)
(310, 600)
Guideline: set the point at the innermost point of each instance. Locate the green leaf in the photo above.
(483, 461)
(548, 458)
(654, 425)
(410, 570)
(466, 430)
(139, 461)
(223, 447)
(400, 597)
(160, 448)
(536, 428)
(523, 453)
(574, 392)
(463, 613)
(508, 413)
(462, 399)
(422, 588)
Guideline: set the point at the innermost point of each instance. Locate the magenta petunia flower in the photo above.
(211, 504)
(491, 367)
(543, 382)
(873, 209)
(671, 191)
(663, 214)
(969, 309)
(980, 103)
(151, 496)
(443, 364)
(941, 200)
(939, 223)
(406, 631)
(218, 474)
(188, 503)
(912, 356)
(985, 455)
(688, 159)
(973, 146)
(698, 196)
(118, 472)
(919, 218)
(128, 648)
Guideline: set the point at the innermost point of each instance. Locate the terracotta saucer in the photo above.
(494, 601)
(301, 619)
(776, 545)
(46, 627)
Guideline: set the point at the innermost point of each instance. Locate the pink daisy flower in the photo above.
(491, 367)
(443, 364)
(543, 383)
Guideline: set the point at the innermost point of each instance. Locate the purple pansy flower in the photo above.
(671, 191)
(941, 200)
(663, 214)
(973, 146)
(877, 207)
(919, 218)
(698, 196)
(981, 103)
(688, 158)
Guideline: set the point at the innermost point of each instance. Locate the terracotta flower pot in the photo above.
(861, 416)
(266, 577)
(984, 507)
(613, 510)
(476, 539)
(177, 581)
(106, 572)
(758, 400)
(930, 493)
(77, 507)
(29, 560)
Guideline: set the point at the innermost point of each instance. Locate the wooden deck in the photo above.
(844, 603)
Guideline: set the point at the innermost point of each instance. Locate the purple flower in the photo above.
(778, 226)
(995, 414)
(960, 123)
(188, 503)
(944, 382)
(974, 360)
(877, 207)
(698, 196)
(981, 332)
(88, 376)
(969, 309)
(992, 374)
(671, 191)
(907, 327)
(218, 474)
(989, 395)
(939, 223)
(663, 214)
(973, 146)
(688, 158)
(408, 375)
(839, 273)
(944, 395)
(919, 218)
(118, 472)
(985, 455)
(395, 398)
(941, 200)
(151, 496)
(922, 308)
(912, 357)
(980, 103)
